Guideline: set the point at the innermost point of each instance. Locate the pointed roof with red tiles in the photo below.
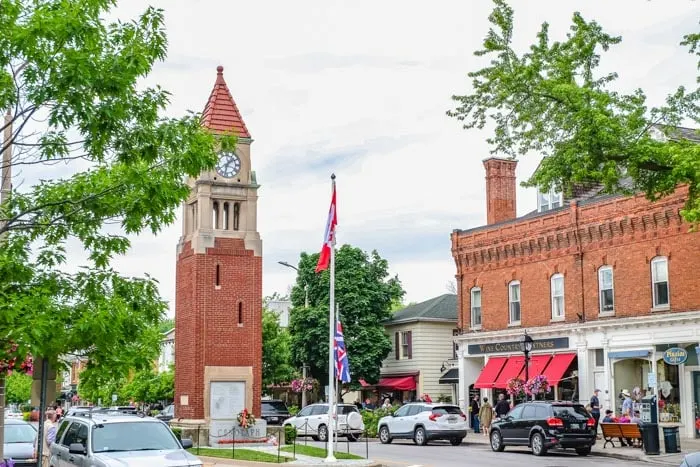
(221, 114)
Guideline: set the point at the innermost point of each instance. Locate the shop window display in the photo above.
(669, 394)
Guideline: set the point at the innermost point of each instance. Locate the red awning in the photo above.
(364, 383)
(512, 369)
(398, 383)
(490, 372)
(558, 366)
(537, 364)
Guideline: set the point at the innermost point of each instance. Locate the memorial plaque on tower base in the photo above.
(226, 432)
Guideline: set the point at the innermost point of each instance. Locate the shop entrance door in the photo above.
(696, 402)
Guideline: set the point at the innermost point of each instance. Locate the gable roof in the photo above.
(221, 114)
(441, 308)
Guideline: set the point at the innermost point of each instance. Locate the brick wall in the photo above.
(625, 233)
(500, 189)
(207, 319)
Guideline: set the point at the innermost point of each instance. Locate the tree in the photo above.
(276, 351)
(166, 325)
(365, 294)
(150, 386)
(18, 388)
(553, 100)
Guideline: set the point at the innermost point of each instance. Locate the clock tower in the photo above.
(218, 297)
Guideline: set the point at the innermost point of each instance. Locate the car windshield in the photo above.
(447, 410)
(133, 436)
(274, 406)
(19, 434)
(576, 412)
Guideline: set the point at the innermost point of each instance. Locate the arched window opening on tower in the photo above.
(240, 313)
(236, 215)
(215, 215)
(218, 276)
(225, 217)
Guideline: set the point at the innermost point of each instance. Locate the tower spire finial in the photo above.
(219, 70)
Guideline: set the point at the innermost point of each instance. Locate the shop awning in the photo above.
(398, 383)
(537, 365)
(364, 383)
(512, 369)
(490, 372)
(558, 366)
(451, 377)
(629, 354)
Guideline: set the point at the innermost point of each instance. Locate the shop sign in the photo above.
(675, 356)
(500, 347)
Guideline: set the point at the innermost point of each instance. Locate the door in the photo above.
(397, 424)
(77, 433)
(696, 402)
(319, 416)
(508, 427)
(413, 417)
(302, 419)
(525, 423)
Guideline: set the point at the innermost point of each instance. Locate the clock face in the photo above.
(229, 164)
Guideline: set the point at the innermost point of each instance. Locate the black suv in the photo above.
(274, 412)
(545, 425)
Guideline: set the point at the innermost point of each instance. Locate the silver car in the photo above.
(19, 442)
(105, 440)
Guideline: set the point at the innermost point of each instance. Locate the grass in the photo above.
(313, 451)
(240, 454)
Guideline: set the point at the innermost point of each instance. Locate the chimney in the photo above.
(500, 189)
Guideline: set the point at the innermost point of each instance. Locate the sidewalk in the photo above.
(625, 453)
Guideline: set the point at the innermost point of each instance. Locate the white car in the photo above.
(424, 422)
(312, 421)
(13, 414)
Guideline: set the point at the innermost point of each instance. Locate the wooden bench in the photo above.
(620, 430)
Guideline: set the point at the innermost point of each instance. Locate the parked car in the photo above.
(691, 460)
(167, 414)
(19, 442)
(312, 421)
(13, 414)
(544, 425)
(106, 440)
(274, 412)
(423, 422)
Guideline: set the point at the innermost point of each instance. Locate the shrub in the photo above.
(177, 432)
(371, 419)
(293, 410)
(26, 416)
(290, 434)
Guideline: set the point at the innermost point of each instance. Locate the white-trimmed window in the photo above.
(659, 281)
(514, 302)
(606, 292)
(476, 307)
(557, 290)
(549, 200)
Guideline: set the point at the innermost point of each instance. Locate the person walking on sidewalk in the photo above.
(48, 438)
(502, 406)
(474, 412)
(595, 409)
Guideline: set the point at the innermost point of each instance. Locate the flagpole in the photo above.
(336, 380)
(330, 457)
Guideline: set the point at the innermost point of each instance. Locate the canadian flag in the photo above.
(328, 238)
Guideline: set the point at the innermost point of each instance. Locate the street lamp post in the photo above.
(526, 347)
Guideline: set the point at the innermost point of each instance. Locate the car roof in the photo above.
(433, 404)
(14, 421)
(108, 418)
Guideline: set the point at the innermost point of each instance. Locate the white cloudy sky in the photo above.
(360, 89)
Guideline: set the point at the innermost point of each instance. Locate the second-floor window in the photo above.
(403, 343)
(557, 286)
(514, 302)
(549, 200)
(476, 307)
(605, 289)
(659, 281)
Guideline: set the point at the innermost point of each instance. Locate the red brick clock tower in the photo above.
(218, 298)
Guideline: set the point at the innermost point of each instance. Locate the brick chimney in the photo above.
(500, 189)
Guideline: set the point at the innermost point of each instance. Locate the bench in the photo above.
(620, 430)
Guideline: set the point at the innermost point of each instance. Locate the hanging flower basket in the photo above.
(537, 385)
(245, 419)
(303, 385)
(515, 387)
(15, 362)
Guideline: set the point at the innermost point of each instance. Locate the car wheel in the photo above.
(456, 441)
(583, 451)
(497, 441)
(322, 433)
(419, 436)
(537, 445)
(353, 437)
(384, 435)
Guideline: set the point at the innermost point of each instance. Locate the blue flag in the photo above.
(342, 367)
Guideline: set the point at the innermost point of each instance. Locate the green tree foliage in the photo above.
(276, 351)
(150, 386)
(365, 293)
(166, 325)
(18, 388)
(554, 100)
(109, 164)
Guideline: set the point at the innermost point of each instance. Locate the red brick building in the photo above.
(218, 302)
(604, 285)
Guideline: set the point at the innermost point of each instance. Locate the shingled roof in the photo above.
(441, 308)
(221, 114)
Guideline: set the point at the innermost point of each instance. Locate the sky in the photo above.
(360, 89)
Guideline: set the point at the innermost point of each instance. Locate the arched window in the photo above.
(236, 215)
(215, 215)
(659, 282)
(240, 313)
(557, 292)
(514, 302)
(476, 307)
(606, 291)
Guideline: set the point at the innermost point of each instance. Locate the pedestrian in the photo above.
(485, 416)
(474, 411)
(595, 409)
(48, 438)
(502, 406)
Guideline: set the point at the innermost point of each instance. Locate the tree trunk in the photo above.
(2, 419)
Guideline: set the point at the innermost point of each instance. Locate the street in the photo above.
(441, 454)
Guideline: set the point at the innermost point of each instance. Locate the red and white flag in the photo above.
(328, 238)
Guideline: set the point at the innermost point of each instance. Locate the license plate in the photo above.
(274, 419)
(451, 420)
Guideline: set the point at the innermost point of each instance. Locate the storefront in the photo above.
(654, 354)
